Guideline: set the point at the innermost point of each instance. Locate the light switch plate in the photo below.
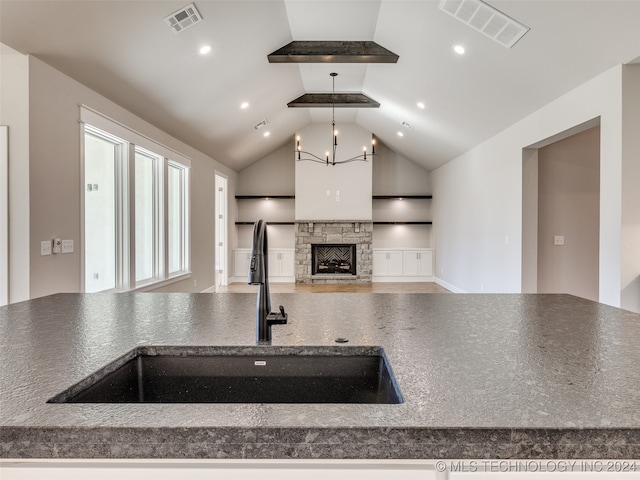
(67, 246)
(558, 240)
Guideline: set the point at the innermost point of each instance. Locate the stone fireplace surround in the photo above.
(358, 232)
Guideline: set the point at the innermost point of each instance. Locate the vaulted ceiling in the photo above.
(125, 51)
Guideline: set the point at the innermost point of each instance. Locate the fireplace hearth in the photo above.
(333, 259)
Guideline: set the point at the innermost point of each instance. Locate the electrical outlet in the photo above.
(558, 240)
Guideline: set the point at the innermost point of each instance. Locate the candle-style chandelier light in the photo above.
(330, 156)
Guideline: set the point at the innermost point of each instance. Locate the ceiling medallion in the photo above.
(330, 156)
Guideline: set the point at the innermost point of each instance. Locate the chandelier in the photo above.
(330, 156)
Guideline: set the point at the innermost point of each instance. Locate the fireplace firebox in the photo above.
(333, 259)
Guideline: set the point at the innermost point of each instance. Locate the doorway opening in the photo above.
(561, 214)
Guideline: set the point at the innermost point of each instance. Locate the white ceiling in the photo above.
(125, 51)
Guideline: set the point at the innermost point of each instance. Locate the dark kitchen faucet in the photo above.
(259, 275)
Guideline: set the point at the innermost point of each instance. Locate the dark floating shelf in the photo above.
(403, 223)
(398, 197)
(264, 197)
(339, 100)
(313, 51)
(268, 223)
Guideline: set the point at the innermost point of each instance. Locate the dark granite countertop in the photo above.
(483, 376)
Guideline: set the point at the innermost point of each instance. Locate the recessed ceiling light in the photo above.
(400, 134)
(421, 105)
(244, 105)
(204, 49)
(266, 134)
(459, 49)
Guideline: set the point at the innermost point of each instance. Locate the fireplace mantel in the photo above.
(358, 232)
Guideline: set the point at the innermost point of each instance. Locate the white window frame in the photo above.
(94, 122)
(121, 178)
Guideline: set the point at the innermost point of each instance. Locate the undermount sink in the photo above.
(241, 375)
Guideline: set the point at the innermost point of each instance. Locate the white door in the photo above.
(425, 263)
(221, 231)
(241, 260)
(387, 264)
(4, 215)
(394, 265)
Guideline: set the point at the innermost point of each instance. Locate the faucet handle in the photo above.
(277, 318)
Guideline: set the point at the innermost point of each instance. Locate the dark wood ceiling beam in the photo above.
(332, 52)
(341, 100)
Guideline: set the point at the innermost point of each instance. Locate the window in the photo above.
(103, 156)
(177, 218)
(147, 211)
(136, 209)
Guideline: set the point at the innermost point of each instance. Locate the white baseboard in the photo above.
(448, 286)
(402, 279)
(282, 279)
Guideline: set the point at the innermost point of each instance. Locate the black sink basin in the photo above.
(240, 375)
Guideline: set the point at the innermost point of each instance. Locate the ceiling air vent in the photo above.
(184, 18)
(486, 19)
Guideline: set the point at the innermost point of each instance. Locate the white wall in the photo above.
(476, 211)
(478, 196)
(393, 174)
(272, 175)
(55, 169)
(352, 180)
(14, 112)
(630, 274)
(530, 220)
